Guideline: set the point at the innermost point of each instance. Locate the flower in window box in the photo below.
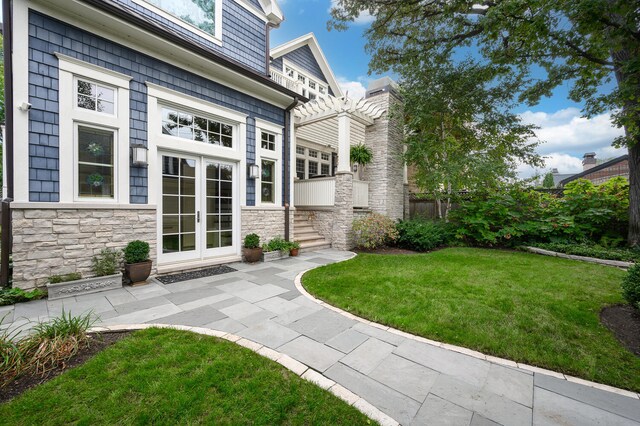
(95, 148)
(95, 179)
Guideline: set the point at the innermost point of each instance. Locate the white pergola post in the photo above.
(344, 142)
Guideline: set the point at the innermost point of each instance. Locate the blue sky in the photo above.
(566, 134)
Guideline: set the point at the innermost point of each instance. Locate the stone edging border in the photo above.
(606, 262)
(302, 370)
(459, 349)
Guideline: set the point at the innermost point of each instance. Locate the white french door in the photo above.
(198, 208)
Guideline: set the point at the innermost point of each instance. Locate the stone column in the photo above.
(385, 138)
(343, 211)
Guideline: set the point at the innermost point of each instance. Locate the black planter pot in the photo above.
(138, 272)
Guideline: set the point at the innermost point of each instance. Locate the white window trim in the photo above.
(299, 71)
(267, 154)
(71, 116)
(308, 158)
(214, 38)
(157, 97)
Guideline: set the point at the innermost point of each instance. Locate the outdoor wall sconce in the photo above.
(254, 171)
(139, 155)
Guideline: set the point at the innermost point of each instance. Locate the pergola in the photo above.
(345, 109)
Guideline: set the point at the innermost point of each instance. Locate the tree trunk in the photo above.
(634, 195)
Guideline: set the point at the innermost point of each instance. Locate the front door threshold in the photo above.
(168, 268)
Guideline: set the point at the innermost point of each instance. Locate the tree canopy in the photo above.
(587, 44)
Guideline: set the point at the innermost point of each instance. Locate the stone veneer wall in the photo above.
(386, 171)
(60, 241)
(267, 223)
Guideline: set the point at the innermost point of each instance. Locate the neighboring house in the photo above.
(146, 119)
(599, 173)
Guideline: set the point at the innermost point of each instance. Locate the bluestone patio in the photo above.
(413, 381)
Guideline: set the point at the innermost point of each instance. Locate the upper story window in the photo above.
(95, 97)
(194, 127)
(309, 88)
(203, 17)
(268, 141)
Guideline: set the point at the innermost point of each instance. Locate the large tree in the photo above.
(460, 134)
(585, 43)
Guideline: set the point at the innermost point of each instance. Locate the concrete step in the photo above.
(304, 232)
(319, 245)
(306, 238)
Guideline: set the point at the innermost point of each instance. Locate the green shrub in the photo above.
(252, 241)
(136, 251)
(73, 276)
(107, 262)
(9, 296)
(277, 244)
(421, 235)
(373, 231)
(631, 286)
(593, 250)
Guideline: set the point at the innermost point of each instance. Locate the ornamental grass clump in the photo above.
(373, 231)
(49, 346)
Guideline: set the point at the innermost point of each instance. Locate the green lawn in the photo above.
(525, 307)
(174, 377)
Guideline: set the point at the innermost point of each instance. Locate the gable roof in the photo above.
(272, 10)
(595, 169)
(311, 41)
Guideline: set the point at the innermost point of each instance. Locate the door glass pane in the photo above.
(219, 205)
(178, 204)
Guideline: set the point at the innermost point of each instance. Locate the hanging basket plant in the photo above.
(361, 155)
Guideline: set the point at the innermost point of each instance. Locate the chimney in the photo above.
(554, 171)
(588, 161)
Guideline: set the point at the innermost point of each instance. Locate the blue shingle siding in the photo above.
(46, 36)
(303, 58)
(243, 34)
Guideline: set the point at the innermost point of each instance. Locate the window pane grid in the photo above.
(95, 97)
(179, 204)
(268, 141)
(219, 205)
(196, 128)
(96, 163)
(267, 183)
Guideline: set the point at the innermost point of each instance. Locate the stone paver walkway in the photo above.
(413, 382)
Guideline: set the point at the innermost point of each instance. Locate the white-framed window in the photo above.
(196, 126)
(202, 17)
(94, 133)
(269, 158)
(268, 141)
(310, 88)
(312, 162)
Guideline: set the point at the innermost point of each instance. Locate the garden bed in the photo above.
(99, 342)
(624, 322)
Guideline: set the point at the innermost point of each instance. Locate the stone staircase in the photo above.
(306, 235)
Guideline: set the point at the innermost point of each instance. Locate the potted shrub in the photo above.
(276, 249)
(137, 265)
(294, 248)
(252, 251)
(106, 267)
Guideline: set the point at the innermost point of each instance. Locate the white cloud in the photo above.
(363, 18)
(355, 89)
(567, 136)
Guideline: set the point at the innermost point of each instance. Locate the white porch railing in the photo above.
(360, 193)
(321, 192)
(285, 81)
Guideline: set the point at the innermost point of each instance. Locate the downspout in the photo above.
(287, 165)
(267, 49)
(5, 240)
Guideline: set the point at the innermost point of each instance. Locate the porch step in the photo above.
(306, 235)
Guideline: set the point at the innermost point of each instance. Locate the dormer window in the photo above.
(307, 87)
(203, 17)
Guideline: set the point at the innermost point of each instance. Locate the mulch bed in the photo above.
(386, 250)
(99, 342)
(202, 273)
(624, 322)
